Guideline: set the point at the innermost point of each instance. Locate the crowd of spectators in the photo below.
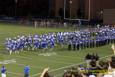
(94, 68)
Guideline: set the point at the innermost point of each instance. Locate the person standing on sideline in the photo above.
(26, 71)
(3, 71)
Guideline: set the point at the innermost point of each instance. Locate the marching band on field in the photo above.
(75, 40)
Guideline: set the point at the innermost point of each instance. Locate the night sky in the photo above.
(24, 7)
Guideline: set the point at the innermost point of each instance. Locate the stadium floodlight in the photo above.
(16, 1)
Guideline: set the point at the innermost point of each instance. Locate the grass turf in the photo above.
(57, 62)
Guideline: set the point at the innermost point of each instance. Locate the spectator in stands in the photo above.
(88, 59)
(45, 73)
(67, 74)
(96, 57)
(81, 68)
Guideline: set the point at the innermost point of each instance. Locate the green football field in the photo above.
(57, 60)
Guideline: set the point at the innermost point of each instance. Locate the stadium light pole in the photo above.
(89, 13)
(64, 9)
(70, 2)
(16, 1)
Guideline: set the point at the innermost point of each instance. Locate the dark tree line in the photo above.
(24, 7)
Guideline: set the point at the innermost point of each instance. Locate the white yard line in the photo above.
(62, 62)
(69, 57)
(29, 65)
(23, 57)
(59, 62)
(19, 74)
(29, 58)
(66, 67)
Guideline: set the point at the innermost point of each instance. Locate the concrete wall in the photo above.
(109, 16)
